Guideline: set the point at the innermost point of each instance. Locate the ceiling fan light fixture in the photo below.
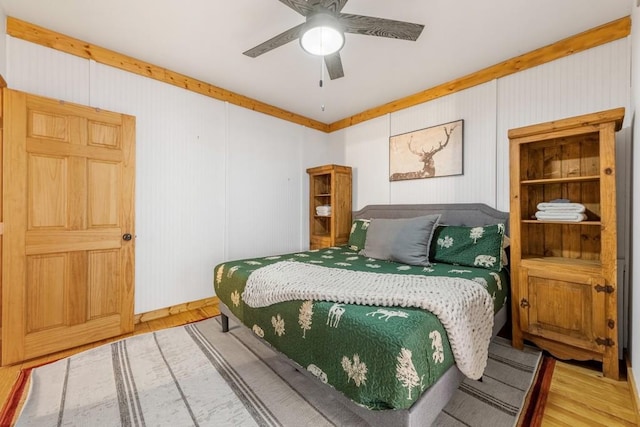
(322, 35)
(323, 32)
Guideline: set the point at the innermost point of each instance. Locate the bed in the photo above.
(392, 360)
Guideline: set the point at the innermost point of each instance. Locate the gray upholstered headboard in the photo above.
(467, 214)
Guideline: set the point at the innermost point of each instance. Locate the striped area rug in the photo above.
(195, 375)
(498, 399)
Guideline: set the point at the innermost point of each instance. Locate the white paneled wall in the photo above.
(634, 318)
(264, 183)
(3, 43)
(213, 181)
(367, 152)
(46, 72)
(594, 80)
(477, 107)
(180, 175)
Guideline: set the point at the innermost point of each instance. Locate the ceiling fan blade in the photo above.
(334, 65)
(334, 5)
(370, 26)
(274, 42)
(300, 6)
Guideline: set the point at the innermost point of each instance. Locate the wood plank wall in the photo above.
(591, 38)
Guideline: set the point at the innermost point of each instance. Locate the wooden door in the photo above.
(68, 209)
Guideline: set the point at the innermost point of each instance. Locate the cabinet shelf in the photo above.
(570, 223)
(329, 185)
(571, 179)
(564, 276)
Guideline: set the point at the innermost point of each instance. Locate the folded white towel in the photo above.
(561, 207)
(560, 216)
(323, 210)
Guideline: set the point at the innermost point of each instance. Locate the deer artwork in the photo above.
(426, 157)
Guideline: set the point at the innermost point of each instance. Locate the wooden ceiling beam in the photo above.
(597, 36)
(44, 37)
(594, 37)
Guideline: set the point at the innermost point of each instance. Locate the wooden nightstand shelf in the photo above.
(329, 185)
(564, 274)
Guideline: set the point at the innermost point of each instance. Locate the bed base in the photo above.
(422, 413)
(225, 319)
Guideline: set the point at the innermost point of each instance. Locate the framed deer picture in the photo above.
(427, 153)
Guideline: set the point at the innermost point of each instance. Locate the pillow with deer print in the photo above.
(358, 234)
(469, 246)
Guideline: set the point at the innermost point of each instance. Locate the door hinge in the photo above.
(607, 288)
(524, 303)
(604, 341)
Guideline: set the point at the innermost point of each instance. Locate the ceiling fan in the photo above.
(323, 32)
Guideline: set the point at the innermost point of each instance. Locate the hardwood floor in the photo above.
(579, 395)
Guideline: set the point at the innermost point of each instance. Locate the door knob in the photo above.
(126, 237)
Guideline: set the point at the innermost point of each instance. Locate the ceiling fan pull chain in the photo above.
(322, 81)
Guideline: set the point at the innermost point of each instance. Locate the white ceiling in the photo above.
(204, 39)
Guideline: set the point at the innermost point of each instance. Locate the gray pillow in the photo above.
(405, 240)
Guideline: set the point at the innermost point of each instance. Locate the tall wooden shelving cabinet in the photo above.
(329, 185)
(564, 274)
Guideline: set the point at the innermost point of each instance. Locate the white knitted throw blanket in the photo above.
(463, 306)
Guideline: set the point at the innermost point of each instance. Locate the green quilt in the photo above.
(380, 357)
